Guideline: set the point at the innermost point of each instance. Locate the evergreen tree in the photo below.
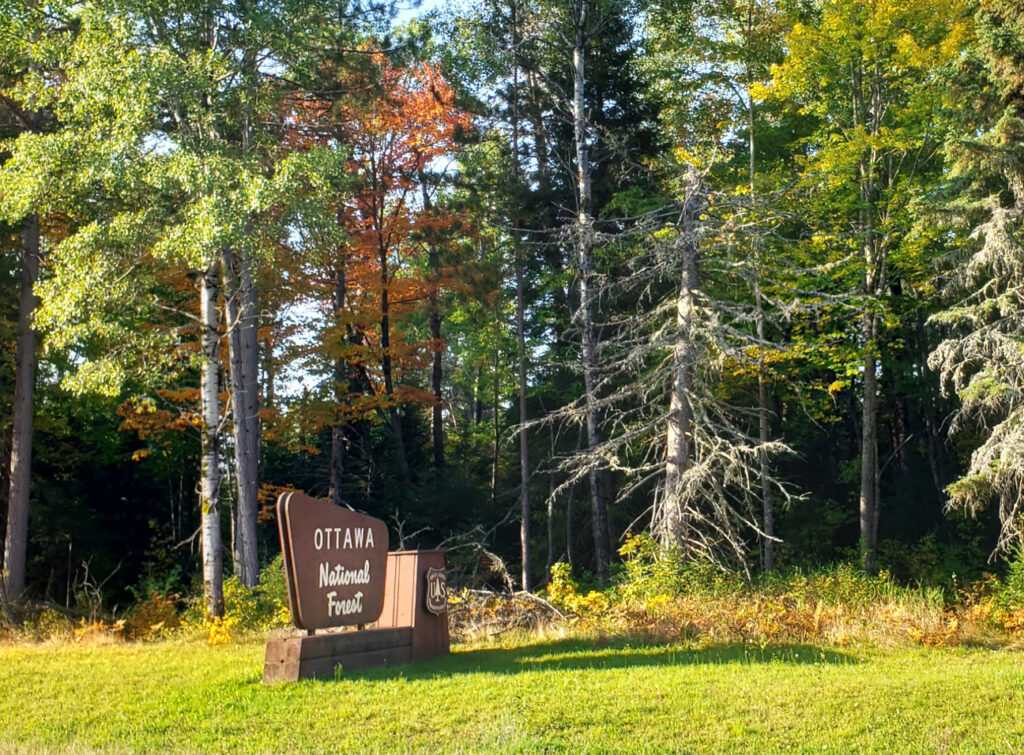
(980, 360)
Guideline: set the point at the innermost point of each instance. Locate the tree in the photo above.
(29, 52)
(716, 53)
(980, 359)
(495, 37)
(385, 265)
(867, 71)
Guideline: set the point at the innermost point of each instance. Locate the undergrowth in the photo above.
(158, 616)
(662, 597)
(656, 597)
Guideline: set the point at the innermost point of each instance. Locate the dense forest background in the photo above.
(517, 276)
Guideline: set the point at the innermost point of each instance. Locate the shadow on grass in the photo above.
(617, 654)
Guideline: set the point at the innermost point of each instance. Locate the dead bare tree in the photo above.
(666, 431)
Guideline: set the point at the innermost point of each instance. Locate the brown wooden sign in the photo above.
(334, 562)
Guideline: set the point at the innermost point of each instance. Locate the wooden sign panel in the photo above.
(334, 562)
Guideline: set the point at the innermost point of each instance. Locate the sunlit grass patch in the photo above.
(550, 694)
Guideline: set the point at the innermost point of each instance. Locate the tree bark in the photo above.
(436, 345)
(386, 366)
(243, 347)
(587, 275)
(767, 504)
(869, 450)
(341, 390)
(213, 568)
(269, 374)
(524, 447)
(671, 524)
(496, 439)
(869, 402)
(874, 285)
(570, 518)
(16, 538)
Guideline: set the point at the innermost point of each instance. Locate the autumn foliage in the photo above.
(397, 124)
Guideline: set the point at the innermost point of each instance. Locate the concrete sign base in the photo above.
(410, 627)
(324, 656)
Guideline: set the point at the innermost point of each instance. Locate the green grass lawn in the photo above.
(543, 696)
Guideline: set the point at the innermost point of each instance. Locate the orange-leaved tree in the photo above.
(399, 127)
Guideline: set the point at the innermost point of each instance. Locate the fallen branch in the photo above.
(476, 612)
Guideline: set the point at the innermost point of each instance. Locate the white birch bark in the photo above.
(213, 568)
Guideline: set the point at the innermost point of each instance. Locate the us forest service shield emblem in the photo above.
(437, 591)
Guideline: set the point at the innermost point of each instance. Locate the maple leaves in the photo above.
(397, 127)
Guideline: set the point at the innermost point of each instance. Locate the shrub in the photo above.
(650, 571)
(563, 591)
(152, 618)
(659, 595)
(49, 624)
(246, 611)
(1007, 596)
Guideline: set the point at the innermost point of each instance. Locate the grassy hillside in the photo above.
(544, 695)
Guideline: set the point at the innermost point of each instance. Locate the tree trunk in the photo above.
(869, 450)
(550, 561)
(496, 439)
(246, 389)
(570, 518)
(671, 523)
(386, 368)
(436, 383)
(478, 404)
(269, 374)
(587, 313)
(16, 538)
(243, 347)
(524, 448)
(436, 344)
(767, 505)
(229, 490)
(874, 286)
(341, 389)
(768, 508)
(869, 403)
(213, 568)
(932, 423)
